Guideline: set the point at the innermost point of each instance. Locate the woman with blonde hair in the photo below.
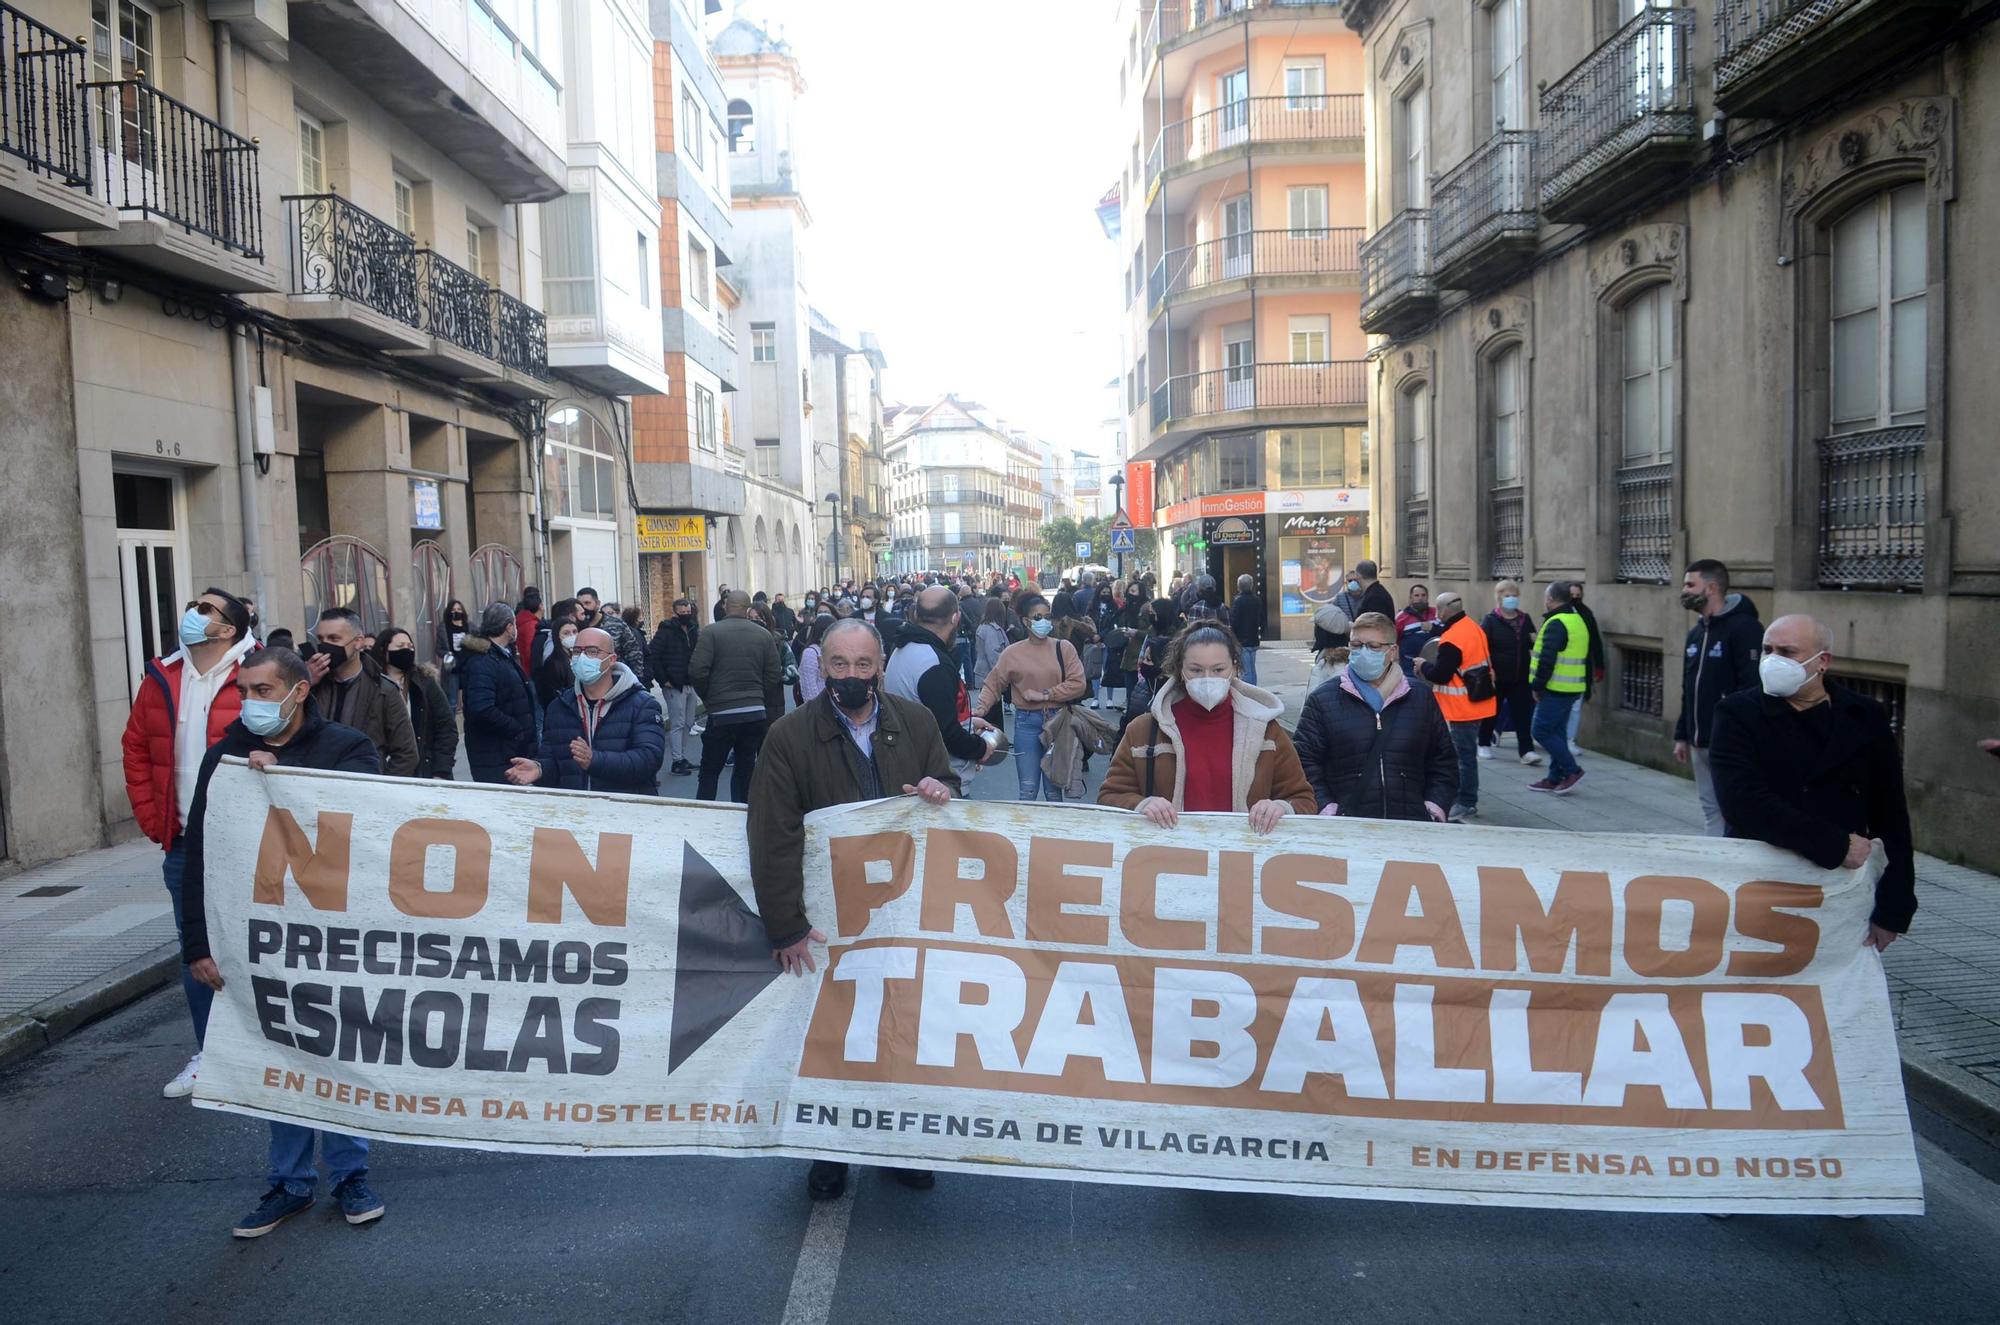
(1211, 743)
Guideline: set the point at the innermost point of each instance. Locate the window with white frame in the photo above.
(1416, 153)
(1647, 331)
(404, 195)
(767, 456)
(693, 126)
(1415, 425)
(569, 257)
(1506, 402)
(475, 249)
(704, 417)
(1309, 337)
(1507, 43)
(1879, 273)
(763, 342)
(312, 154)
(699, 281)
(1305, 84)
(1306, 207)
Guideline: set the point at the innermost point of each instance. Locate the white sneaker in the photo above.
(1531, 758)
(183, 1084)
(1485, 752)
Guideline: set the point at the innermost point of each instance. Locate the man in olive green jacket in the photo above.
(735, 669)
(853, 743)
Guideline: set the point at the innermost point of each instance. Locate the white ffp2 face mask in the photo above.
(1208, 691)
(1783, 677)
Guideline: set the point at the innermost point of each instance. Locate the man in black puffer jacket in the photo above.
(499, 706)
(603, 735)
(1374, 745)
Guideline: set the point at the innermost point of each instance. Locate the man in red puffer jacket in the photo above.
(181, 709)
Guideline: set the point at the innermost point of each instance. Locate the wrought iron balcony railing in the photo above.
(1508, 509)
(1776, 56)
(1256, 120)
(160, 157)
(1172, 22)
(457, 305)
(1261, 386)
(1645, 523)
(41, 116)
(1319, 252)
(520, 336)
(1416, 537)
(1872, 509)
(1396, 279)
(1487, 199)
(1633, 92)
(340, 250)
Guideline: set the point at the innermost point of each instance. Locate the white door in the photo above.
(1232, 100)
(594, 554)
(1236, 240)
(152, 567)
(123, 49)
(1239, 371)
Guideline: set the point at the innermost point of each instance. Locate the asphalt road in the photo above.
(116, 1204)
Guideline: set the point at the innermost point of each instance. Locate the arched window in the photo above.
(742, 127)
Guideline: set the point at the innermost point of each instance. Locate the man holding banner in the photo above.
(854, 743)
(280, 725)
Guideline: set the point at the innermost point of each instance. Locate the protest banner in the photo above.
(1418, 1012)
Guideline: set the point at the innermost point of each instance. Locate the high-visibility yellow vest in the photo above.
(1572, 671)
(1469, 638)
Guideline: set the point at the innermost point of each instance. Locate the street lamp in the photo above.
(833, 499)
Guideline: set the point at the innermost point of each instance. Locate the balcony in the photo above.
(1398, 292)
(1773, 57)
(1507, 510)
(1621, 123)
(1259, 259)
(479, 333)
(1416, 537)
(1302, 125)
(1170, 24)
(1483, 213)
(1872, 509)
(1317, 385)
(44, 133)
(489, 108)
(185, 189)
(352, 273)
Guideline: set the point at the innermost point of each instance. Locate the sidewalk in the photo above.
(81, 937)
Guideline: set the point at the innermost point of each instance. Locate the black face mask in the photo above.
(851, 692)
(458, 620)
(336, 656)
(403, 660)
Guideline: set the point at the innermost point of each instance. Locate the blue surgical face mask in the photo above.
(1368, 663)
(588, 670)
(194, 628)
(1512, 602)
(1042, 627)
(1354, 586)
(266, 717)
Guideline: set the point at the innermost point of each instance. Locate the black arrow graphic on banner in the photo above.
(722, 962)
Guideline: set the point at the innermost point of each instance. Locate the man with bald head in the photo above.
(923, 667)
(853, 743)
(602, 734)
(1806, 764)
(735, 669)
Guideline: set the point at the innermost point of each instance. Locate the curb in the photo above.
(30, 1031)
(1952, 1091)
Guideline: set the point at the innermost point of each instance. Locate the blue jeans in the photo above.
(199, 996)
(292, 1157)
(1028, 755)
(1465, 743)
(1551, 732)
(962, 652)
(1250, 666)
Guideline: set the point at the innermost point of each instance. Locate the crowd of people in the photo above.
(904, 685)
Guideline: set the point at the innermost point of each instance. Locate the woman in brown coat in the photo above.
(1211, 743)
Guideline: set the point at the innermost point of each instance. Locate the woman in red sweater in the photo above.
(1211, 744)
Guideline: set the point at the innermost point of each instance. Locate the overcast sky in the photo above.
(952, 154)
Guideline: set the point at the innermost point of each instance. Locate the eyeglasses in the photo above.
(594, 651)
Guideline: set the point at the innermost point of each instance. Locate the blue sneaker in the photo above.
(277, 1206)
(358, 1201)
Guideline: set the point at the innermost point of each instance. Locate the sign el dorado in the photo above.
(1340, 1008)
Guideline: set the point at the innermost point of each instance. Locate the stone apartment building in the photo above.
(1650, 283)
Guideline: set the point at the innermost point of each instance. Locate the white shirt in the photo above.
(198, 692)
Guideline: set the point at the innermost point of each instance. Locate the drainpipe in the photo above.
(254, 568)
